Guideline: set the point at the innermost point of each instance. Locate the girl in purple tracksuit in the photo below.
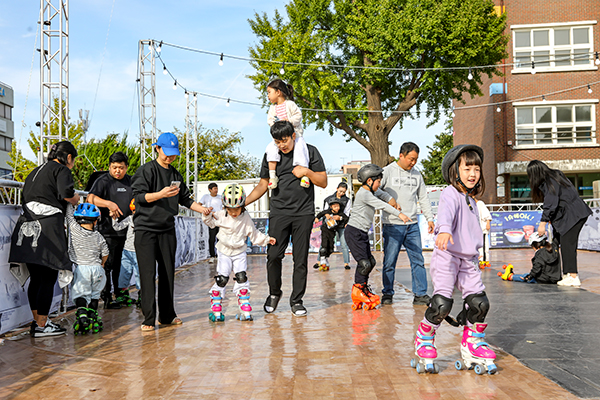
(454, 263)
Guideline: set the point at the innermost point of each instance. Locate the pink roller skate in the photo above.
(245, 307)
(425, 350)
(216, 314)
(475, 352)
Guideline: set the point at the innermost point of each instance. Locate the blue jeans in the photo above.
(394, 236)
(339, 235)
(129, 266)
(519, 278)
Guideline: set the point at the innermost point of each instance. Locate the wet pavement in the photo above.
(546, 339)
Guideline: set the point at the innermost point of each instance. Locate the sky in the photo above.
(103, 56)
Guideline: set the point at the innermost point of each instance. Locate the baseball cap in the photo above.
(168, 143)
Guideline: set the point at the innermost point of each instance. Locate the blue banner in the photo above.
(513, 228)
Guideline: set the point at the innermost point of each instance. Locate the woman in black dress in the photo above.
(564, 209)
(39, 238)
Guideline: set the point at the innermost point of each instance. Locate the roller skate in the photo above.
(475, 352)
(82, 322)
(216, 314)
(244, 304)
(363, 296)
(305, 182)
(324, 266)
(508, 272)
(96, 322)
(484, 264)
(425, 350)
(124, 299)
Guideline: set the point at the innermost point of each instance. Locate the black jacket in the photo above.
(563, 208)
(341, 223)
(546, 265)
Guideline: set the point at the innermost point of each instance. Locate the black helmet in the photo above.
(453, 154)
(369, 171)
(335, 200)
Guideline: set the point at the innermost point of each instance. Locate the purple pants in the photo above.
(448, 271)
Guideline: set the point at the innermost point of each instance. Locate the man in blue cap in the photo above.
(158, 191)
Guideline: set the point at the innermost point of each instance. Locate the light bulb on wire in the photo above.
(186, 94)
(589, 89)
(221, 60)
(470, 76)
(227, 102)
(533, 68)
(282, 70)
(159, 48)
(597, 62)
(498, 109)
(175, 85)
(543, 98)
(165, 70)
(343, 80)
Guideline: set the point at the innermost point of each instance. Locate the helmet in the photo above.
(87, 210)
(132, 205)
(536, 237)
(335, 200)
(369, 171)
(234, 196)
(453, 154)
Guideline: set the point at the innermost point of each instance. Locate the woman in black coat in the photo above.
(39, 238)
(564, 209)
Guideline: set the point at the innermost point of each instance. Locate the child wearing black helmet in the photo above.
(334, 219)
(545, 264)
(368, 199)
(88, 250)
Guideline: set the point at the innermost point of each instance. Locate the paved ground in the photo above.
(332, 353)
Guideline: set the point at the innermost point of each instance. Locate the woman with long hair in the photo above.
(564, 209)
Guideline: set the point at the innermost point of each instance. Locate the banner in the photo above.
(589, 238)
(510, 229)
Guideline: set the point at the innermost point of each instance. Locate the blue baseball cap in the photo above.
(168, 143)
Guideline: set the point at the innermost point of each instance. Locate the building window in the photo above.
(5, 111)
(553, 48)
(5, 143)
(547, 125)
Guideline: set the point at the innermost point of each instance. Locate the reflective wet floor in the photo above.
(333, 353)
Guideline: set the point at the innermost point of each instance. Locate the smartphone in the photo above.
(175, 183)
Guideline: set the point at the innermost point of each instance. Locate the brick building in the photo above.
(542, 108)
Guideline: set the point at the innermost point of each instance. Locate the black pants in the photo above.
(282, 227)
(212, 239)
(568, 247)
(360, 247)
(112, 266)
(152, 248)
(327, 241)
(41, 287)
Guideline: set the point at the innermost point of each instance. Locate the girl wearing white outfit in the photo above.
(485, 219)
(284, 109)
(236, 227)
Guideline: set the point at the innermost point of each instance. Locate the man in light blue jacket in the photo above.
(403, 182)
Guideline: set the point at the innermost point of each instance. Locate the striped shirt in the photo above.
(281, 112)
(85, 247)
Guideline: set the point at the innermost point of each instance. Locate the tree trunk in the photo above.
(380, 149)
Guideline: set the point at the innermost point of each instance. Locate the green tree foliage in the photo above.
(432, 165)
(404, 34)
(20, 165)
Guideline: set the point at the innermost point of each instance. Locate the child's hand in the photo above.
(404, 218)
(212, 214)
(441, 242)
(316, 220)
(337, 217)
(272, 241)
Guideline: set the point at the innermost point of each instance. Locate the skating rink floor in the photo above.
(546, 338)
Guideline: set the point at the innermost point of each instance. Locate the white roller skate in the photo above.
(425, 350)
(475, 352)
(245, 307)
(216, 314)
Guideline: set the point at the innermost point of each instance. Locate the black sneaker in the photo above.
(421, 300)
(387, 299)
(316, 266)
(32, 327)
(271, 303)
(346, 266)
(50, 329)
(299, 310)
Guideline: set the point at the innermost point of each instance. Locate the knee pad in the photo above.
(323, 252)
(365, 267)
(479, 305)
(240, 277)
(221, 280)
(373, 262)
(438, 309)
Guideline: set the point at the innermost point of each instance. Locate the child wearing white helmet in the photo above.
(545, 264)
(236, 227)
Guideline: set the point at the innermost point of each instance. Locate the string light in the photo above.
(597, 62)
(498, 109)
(165, 70)
(159, 48)
(282, 70)
(221, 60)
(589, 89)
(187, 94)
(543, 98)
(175, 85)
(533, 68)
(343, 80)
(227, 102)
(470, 76)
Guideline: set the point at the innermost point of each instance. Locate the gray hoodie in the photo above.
(407, 187)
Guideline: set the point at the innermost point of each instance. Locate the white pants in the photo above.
(486, 246)
(228, 264)
(300, 152)
(88, 282)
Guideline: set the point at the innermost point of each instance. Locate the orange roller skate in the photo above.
(362, 296)
(508, 272)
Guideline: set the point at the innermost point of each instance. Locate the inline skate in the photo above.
(82, 323)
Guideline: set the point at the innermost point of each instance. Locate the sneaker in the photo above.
(316, 266)
(299, 310)
(50, 329)
(421, 300)
(346, 266)
(271, 303)
(387, 299)
(32, 327)
(273, 182)
(568, 280)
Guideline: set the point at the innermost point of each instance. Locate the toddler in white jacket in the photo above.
(236, 227)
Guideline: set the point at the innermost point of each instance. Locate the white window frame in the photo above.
(552, 49)
(556, 141)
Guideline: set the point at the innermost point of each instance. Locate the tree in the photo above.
(405, 34)
(432, 165)
(20, 165)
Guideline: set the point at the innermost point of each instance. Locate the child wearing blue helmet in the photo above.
(88, 251)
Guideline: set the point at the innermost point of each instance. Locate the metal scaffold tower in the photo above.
(147, 98)
(191, 140)
(54, 82)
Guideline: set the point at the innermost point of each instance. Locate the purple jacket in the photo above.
(455, 217)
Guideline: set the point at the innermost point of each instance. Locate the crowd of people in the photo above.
(126, 228)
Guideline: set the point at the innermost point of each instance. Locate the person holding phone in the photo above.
(158, 192)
